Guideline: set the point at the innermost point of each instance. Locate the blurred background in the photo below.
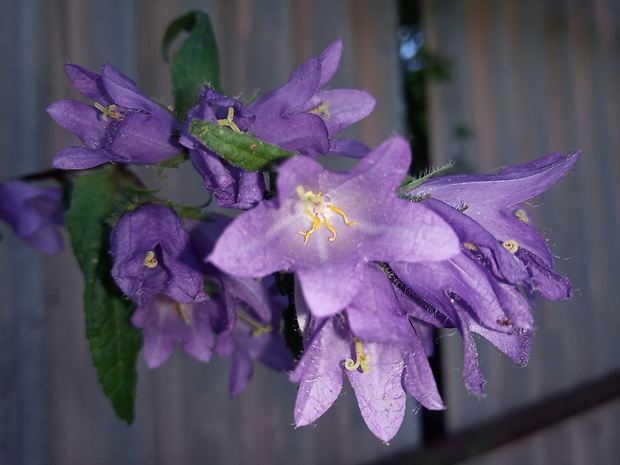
(483, 83)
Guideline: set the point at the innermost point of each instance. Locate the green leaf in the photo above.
(196, 64)
(242, 150)
(114, 342)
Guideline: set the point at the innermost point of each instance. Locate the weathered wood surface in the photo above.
(51, 407)
(533, 77)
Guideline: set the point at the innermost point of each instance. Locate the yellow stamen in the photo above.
(522, 216)
(321, 111)
(108, 112)
(180, 309)
(150, 261)
(362, 360)
(344, 216)
(315, 205)
(258, 329)
(316, 222)
(511, 246)
(228, 121)
(470, 246)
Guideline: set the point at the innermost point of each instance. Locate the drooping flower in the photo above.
(493, 201)
(326, 226)
(166, 323)
(251, 329)
(247, 320)
(479, 290)
(473, 301)
(231, 186)
(122, 126)
(34, 213)
(375, 344)
(151, 253)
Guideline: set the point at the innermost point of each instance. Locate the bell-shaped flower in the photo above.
(122, 126)
(34, 213)
(247, 320)
(326, 226)
(152, 253)
(469, 298)
(302, 117)
(374, 343)
(231, 186)
(493, 201)
(166, 323)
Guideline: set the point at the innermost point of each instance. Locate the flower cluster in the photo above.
(350, 266)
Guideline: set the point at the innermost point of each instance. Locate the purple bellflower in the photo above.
(493, 201)
(152, 253)
(326, 226)
(377, 346)
(33, 212)
(231, 186)
(122, 126)
(299, 116)
(479, 290)
(247, 316)
(302, 117)
(166, 323)
(251, 329)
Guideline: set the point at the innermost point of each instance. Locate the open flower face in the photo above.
(326, 226)
(123, 125)
(151, 253)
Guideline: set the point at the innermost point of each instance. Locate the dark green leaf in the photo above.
(196, 64)
(114, 342)
(240, 149)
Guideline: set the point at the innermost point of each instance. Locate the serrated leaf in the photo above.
(114, 342)
(242, 150)
(196, 64)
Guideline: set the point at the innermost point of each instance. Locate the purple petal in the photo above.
(418, 378)
(145, 139)
(375, 314)
(348, 148)
(88, 84)
(345, 107)
(81, 158)
(330, 60)
(379, 392)
(125, 93)
(82, 120)
(241, 371)
(301, 86)
(512, 186)
(320, 375)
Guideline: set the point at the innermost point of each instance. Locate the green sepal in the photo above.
(411, 183)
(197, 62)
(240, 149)
(114, 342)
